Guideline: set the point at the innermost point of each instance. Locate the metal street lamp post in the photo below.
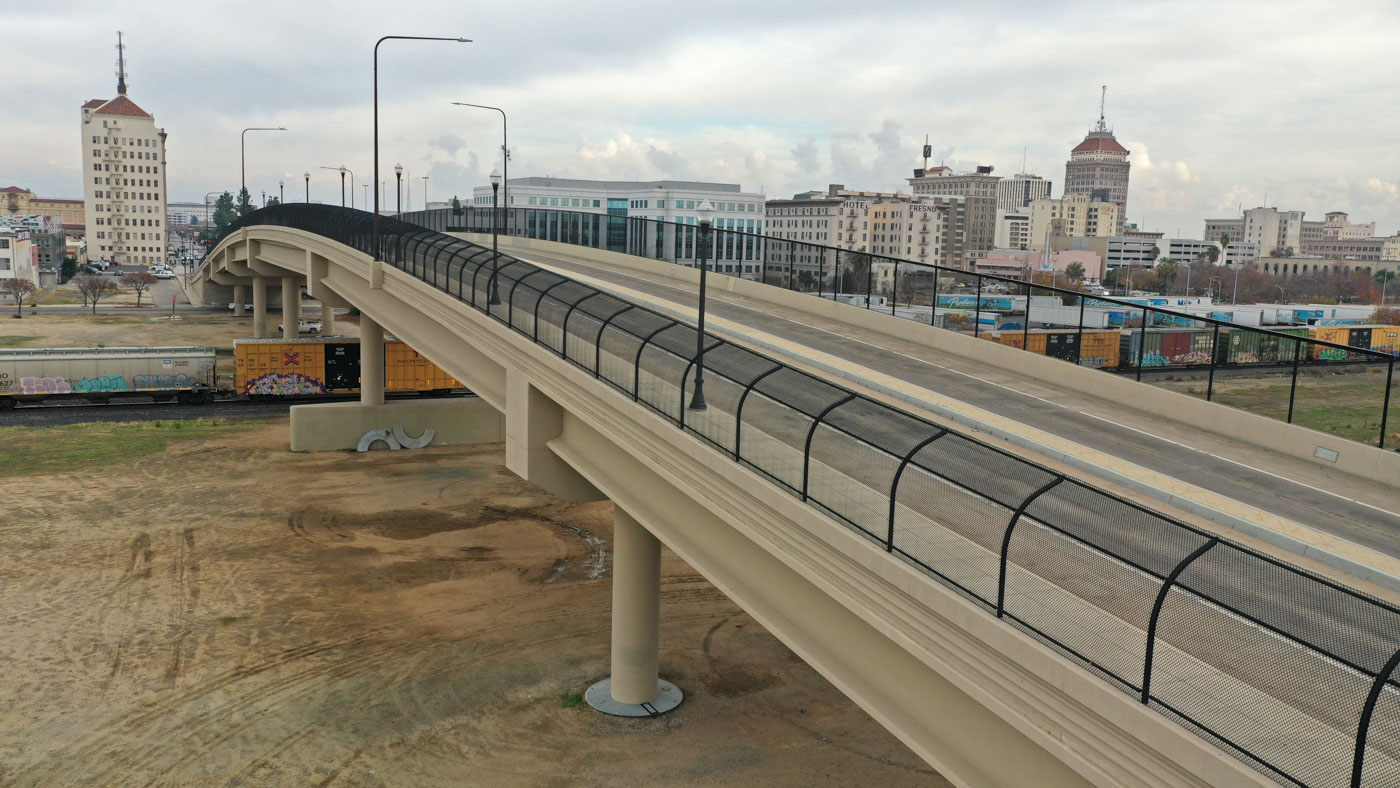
(1282, 296)
(398, 189)
(1188, 279)
(697, 400)
(425, 192)
(281, 193)
(342, 169)
(376, 115)
(494, 295)
(307, 175)
(505, 153)
(243, 155)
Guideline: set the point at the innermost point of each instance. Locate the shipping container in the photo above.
(303, 367)
(1380, 338)
(1098, 349)
(98, 374)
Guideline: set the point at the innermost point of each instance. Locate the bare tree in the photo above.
(93, 288)
(17, 289)
(139, 282)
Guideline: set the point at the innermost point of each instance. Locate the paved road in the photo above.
(1363, 512)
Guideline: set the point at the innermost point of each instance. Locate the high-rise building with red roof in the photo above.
(124, 177)
(1098, 168)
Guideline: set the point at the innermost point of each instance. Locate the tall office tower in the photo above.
(1098, 167)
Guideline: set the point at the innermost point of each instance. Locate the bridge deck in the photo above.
(1329, 501)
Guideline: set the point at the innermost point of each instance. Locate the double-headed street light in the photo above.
(493, 296)
(243, 155)
(343, 170)
(376, 115)
(398, 189)
(697, 401)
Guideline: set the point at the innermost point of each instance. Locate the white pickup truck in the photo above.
(305, 326)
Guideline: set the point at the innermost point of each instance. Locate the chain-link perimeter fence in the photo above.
(1284, 669)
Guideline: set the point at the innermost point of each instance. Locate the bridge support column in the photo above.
(371, 362)
(635, 689)
(260, 307)
(291, 307)
(240, 297)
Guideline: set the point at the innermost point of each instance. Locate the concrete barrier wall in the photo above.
(330, 426)
(1355, 458)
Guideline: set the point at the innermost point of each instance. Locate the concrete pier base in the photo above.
(337, 426)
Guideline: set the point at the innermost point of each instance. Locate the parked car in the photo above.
(248, 306)
(92, 269)
(305, 326)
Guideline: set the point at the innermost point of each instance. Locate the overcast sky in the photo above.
(1220, 103)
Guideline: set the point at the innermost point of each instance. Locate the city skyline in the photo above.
(723, 102)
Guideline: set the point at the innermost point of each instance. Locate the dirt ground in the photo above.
(225, 612)
(86, 330)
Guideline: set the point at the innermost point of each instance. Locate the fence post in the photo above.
(1026, 328)
(1079, 345)
(1214, 350)
(1006, 540)
(894, 486)
(1364, 726)
(1385, 404)
(598, 343)
(869, 278)
(807, 451)
(933, 311)
(1293, 389)
(1142, 343)
(1157, 612)
(894, 288)
(739, 409)
(977, 309)
(821, 272)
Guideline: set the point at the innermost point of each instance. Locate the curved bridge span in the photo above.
(1012, 625)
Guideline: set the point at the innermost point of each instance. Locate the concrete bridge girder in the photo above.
(982, 702)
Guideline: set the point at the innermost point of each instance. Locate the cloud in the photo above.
(669, 163)
(448, 143)
(805, 154)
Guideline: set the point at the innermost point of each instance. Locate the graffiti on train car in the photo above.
(274, 383)
(100, 384)
(178, 381)
(57, 385)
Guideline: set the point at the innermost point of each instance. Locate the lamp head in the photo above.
(307, 175)
(343, 170)
(398, 169)
(705, 211)
(495, 177)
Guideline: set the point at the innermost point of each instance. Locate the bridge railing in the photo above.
(1288, 671)
(1281, 373)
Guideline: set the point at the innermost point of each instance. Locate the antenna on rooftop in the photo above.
(121, 66)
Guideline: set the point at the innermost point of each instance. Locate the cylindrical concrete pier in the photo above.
(371, 362)
(636, 624)
(291, 307)
(240, 298)
(260, 307)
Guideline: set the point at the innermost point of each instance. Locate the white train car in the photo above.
(33, 375)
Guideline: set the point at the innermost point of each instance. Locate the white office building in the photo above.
(123, 179)
(17, 255)
(667, 201)
(1020, 190)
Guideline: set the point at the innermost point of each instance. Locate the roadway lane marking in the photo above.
(884, 349)
(1246, 465)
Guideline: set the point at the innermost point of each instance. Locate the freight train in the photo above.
(1187, 348)
(263, 369)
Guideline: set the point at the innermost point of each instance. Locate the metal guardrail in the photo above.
(1218, 346)
(1284, 669)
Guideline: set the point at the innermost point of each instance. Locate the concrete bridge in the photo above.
(1012, 624)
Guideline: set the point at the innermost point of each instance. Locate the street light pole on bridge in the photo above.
(505, 157)
(376, 249)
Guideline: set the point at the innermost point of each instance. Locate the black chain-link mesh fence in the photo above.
(1286, 670)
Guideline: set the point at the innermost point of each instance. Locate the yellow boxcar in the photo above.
(303, 367)
(1096, 348)
(1380, 338)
